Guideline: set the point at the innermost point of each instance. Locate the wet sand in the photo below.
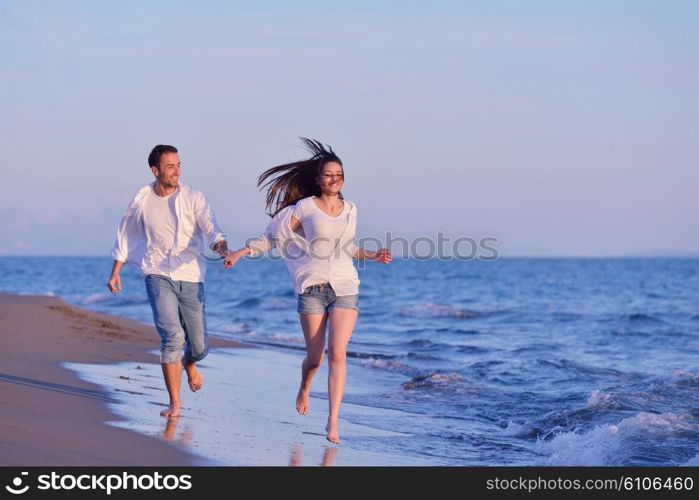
(51, 417)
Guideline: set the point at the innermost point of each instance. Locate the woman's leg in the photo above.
(313, 326)
(342, 323)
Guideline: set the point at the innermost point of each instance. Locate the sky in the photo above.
(561, 128)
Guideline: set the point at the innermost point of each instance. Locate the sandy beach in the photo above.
(80, 387)
(51, 417)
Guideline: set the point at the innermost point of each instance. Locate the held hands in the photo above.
(114, 283)
(232, 257)
(383, 255)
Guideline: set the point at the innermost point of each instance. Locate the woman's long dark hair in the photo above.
(286, 184)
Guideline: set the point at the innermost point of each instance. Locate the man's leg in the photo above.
(163, 300)
(193, 317)
(172, 372)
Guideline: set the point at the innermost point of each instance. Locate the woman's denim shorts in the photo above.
(318, 299)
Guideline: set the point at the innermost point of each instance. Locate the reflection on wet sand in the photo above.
(186, 436)
(296, 457)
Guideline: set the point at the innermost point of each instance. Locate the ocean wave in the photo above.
(267, 303)
(598, 400)
(425, 357)
(641, 317)
(424, 343)
(633, 401)
(95, 298)
(441, 382)
(113, 300)
(536, 348)
(612, 444)
(275, 303)
(428, 345)
(274, 338)
(432, 310)
(579, 368)
(514, 429)
(241, 327)
(680, 378)
(456, 330)
(386, 364)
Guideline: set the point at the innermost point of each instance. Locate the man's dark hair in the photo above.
(157, 152)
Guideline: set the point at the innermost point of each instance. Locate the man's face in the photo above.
(168, 172)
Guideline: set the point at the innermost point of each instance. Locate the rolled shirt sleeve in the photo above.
(259, 245)
(352, 247)
(128, 236)
(206, 220)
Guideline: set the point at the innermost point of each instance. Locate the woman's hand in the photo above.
(232, 257)
(383, 255)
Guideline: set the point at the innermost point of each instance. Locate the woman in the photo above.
(313, 226)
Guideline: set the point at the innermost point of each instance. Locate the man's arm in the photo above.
(114, 283)
(126, 238)
(206, 220)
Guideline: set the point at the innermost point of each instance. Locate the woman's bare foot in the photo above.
(302, 401)
(333, 436)
(194, 378)
(172, 411)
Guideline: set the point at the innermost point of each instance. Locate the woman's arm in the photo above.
(233, 256)
(256, 246)
(382, 255)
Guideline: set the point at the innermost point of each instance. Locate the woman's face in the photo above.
(331, 178)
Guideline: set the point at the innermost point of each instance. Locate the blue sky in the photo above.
(561, 128)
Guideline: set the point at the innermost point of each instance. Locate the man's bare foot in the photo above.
(302, 401)
(194, 378)
(333, 436)
(172, 411)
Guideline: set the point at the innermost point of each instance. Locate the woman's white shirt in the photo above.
(324, 254)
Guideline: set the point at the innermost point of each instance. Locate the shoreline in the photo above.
(50, 416)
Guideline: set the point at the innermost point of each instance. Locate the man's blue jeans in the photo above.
(179, 315)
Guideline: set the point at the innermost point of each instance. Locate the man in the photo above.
(163, 234)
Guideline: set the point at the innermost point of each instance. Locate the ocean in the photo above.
(507, 362)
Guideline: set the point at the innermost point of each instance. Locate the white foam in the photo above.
(682, 377)
(385, 364)
(605, 444)
(94, 298)
(692, 462)
(443, 378)
(597, 400)
(235, 328)
(276, 337)
(44, 294)
(514, 429)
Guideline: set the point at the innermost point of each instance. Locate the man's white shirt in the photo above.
(168, 235)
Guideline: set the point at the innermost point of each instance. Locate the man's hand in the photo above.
(114, 283)
(221, 248)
